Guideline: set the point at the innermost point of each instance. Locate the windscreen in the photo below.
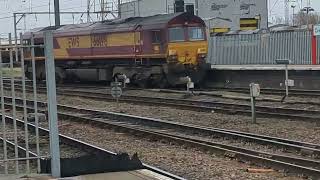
(195, 33)
(176, 34)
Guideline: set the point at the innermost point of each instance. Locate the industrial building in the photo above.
(220, 15)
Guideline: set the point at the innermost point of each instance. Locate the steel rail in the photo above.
(86, 146)
(279, 162)
(21, 150)
(294, 145)
(274, 91)
(97, 96)
(203, 92)
(206, 106)
(283, 159)
(271, 91)
(286, 143)
(243, 109)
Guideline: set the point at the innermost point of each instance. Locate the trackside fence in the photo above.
(20, 146)
(261, 48)
(318, 50)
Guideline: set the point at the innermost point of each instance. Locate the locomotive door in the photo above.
(138, 43)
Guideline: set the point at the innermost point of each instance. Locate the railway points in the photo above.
(215, 104)
(197, 137)
(66, 91)
(86, 153)
(183, 110)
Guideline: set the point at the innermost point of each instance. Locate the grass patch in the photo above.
(16, 72)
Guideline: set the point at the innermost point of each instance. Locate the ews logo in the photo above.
(74, 42)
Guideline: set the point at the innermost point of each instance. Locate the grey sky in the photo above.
(7, 7)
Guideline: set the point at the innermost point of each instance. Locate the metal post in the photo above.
(190, 85)
(118, 106)
(102, 9)
(35, 100)
(253, 104)
(287, 80)
(119, 9)
(197, 7)
(15, 34)
(314, 46)
(3, 112)
(254, 92)
(13, 93)
(167, 7)
(293, 21)
(253, 109)
(57, 12)
(286, 11)
(88, 10)
(52, 105)
(24, 105)
(308, 4)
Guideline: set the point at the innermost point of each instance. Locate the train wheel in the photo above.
(60, 75)
(140, 80)
(163, 83)
(28, 75)
(143, 84)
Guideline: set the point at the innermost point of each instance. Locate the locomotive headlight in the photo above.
(202, 51)
(202, 55)
(173, 54)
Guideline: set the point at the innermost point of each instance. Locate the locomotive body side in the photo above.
(97, 46)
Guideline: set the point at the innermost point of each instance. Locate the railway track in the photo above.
(206, 92)
(298, 157)
(293, 92)
(196, 105)
(207, 106)
(270, 91)
(70, 147)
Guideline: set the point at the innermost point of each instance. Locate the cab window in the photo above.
(156, 37)
(195, 33)
(26, 42)
(176, 34)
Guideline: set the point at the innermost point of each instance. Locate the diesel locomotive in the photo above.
(160, 50)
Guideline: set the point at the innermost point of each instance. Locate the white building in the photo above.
(220, 15)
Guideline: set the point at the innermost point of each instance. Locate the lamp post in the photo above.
(293, 8)
(307, 9)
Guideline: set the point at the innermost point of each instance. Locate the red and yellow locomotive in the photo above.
(160, 50)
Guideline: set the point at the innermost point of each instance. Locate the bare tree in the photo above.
(278, 20)
(302, 19)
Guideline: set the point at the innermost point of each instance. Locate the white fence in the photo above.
(261, 48)
(20, 147)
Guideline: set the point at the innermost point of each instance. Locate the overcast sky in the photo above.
(7, 7)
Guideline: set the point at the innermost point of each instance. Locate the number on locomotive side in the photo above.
(98, 41)
(74, 42)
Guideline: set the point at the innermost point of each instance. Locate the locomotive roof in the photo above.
(119, 25)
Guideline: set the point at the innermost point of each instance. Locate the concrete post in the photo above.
(52, 105)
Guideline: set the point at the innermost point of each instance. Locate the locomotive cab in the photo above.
(187, 50)
(187, 45)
